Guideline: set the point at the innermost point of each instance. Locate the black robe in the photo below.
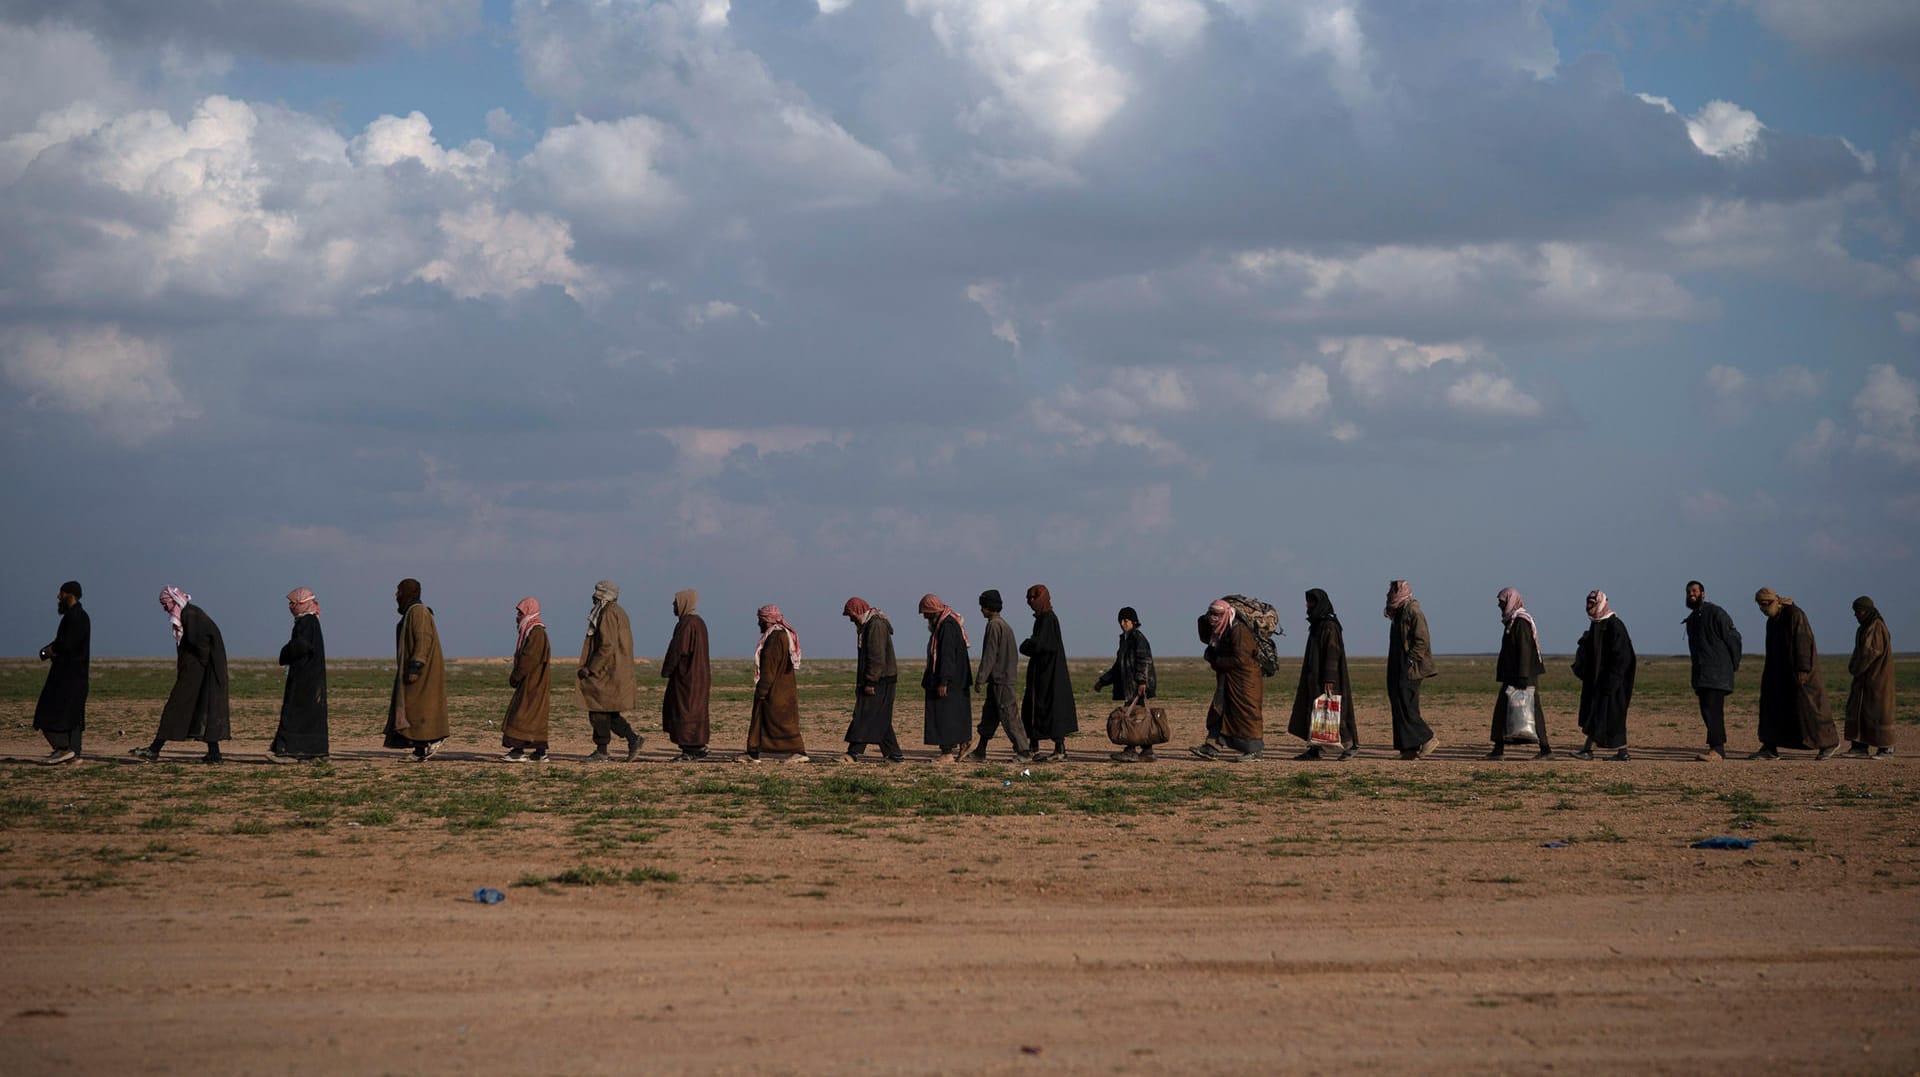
(303, 706)
(1518, 666)
(1605, 663)
(1792, 714)
(197, 707)
(63, 699)
(949, 719)
(1325, 662)
(873, 714)
(1047, 707)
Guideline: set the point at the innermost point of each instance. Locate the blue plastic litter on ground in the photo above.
(1555, 845)
(1724, 842)
(487, 895)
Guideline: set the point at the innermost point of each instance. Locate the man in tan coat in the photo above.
(607, 687)
(1870, 700)
(417, 713)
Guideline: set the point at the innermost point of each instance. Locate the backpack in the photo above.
(1265, 621)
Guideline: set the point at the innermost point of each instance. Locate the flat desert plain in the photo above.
(1445, 915)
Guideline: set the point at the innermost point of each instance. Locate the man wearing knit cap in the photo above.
(999, 666)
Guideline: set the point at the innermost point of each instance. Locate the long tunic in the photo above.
(607, 657)
(303, 704)
(1605, 663)
(1870, 700)
(196, 709)
(1325, 662)
(1239, 696)
(63, 699)
(527, 711)
(999, 655)
(774, 725)
(417, 711)
(683, 706)
(1793, 714)
(877, 669)
(949, 719)
(1047, 708)
(1519, 666)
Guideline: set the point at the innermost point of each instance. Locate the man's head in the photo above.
(1696, 594)
(1129, 619)
(69, 595)
(406, 593)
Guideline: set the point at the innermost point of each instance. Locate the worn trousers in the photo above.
(1000, 709)
(1713, 711)
(1409, 730)
(608, 723)
(889, 748)
(64, 739)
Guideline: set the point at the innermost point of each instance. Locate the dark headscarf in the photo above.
(71, 587)
(1128, 613)
(1039, 598)
(408, 593)
(1320, 607)
(1863, 604)
(990, 601)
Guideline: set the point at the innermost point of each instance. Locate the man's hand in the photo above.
(940, 691)
(1802, 677)
(868, 690)
(580, 672)
(1327, 688)
(412, 677)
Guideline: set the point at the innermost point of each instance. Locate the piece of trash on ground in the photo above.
(1555, 844)
(1724, 842)
(487, 895)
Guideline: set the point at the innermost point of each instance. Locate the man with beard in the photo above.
(607, 685)
(196, 709)
(61, 713)
(417, 711)
(303, 704)
(1793, 695)
(1714, 644)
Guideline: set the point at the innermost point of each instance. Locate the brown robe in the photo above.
(417, 711)
(775, 724)
(1870, 700)
(527, 713)
(1793, 714)
(1239, 694)
(683, 706)
(607, 657)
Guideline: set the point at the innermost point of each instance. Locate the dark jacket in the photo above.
(1047, 707)
(63, 699)
(1132, 665)
(875, 651)
(1519, 665)
(196, 709)
(303, 705)
(1325, 662)
(949, 717)
(1714, 643)
(1793, 713)
(1410, 646)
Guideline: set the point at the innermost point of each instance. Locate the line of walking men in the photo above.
(1237, 633)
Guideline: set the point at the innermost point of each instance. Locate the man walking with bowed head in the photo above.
(999, 667)
(606, 680)
(417, 712)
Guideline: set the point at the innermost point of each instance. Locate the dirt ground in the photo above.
(1375, 915)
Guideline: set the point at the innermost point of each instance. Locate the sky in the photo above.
(1147, 300)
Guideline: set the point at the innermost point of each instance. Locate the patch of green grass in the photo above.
(163, 821)
(1747, 808)
(593, 875)
(251, 826)
(15, 810)
(377, 817)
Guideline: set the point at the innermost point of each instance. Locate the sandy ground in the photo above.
(1375, 916)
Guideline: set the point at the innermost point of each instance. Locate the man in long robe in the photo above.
(1323, 671)
(417, 710)
(1793, 694)
(1605, 663)
(774, 725)
(1518, 667)
(1133, 678)
(1409, 663)
(302, 734)
(524, 730)
(197, 708)
(61, 712)
(1236, 719)
(1047, 708)
(999, 669)
(948, 680)
(1870, 699)
(608, 688)
(1713, 646)
(689, 677)
(875, 675)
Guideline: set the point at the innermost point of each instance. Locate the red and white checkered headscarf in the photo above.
(527, 614)
(173, 600)
(771, 621)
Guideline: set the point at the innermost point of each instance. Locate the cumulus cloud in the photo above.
(314, 30)
(123, 385)
(1876, 31)
(490, 253)
(1887, 413)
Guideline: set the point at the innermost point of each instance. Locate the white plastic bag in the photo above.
(1521, 710)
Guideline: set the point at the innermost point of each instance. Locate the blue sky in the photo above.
(1148, 300)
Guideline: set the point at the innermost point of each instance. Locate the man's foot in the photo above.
(847, 758)
(433, 747)
(962, 751)
(1858, 751)
(280, 760)
(1205, 751)
(1544, 753)
(212, 759)
(1310, 754)
(1348, 753)
(1023, 757)
(1827, 753)
(1620, 756)
(419, 756)
(1146, 755)
(1764, 753)
(1242, 757)
(894, 760)
(1583, 754)
(685, 757)
(1426, 750)
(1882, 753)
(633, 746)
(1711, 755)
(538, 755)
(599, 755)
(59, 756)
(1409, 754)
(514, 756)
(1059, 753)
(979, 753)
(145, 755)
(749, 757)
(1499, 752)
(1128, 756)
(797, 757)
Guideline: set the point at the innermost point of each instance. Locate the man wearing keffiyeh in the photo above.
(1409, 663)
(948, 680)
(1793, 694)
(774, 725)
(1519, 666)
(303, 704)
(1605, 662)
(197, 708)
(608, 687)
(875, 675)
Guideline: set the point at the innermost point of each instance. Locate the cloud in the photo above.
(1490, 394)
(122, 384)
(606, 172)
(1876, 31)
(312, 30)
(1038, 61)
(1887, 413)
(1724, 129)
(489, 253)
